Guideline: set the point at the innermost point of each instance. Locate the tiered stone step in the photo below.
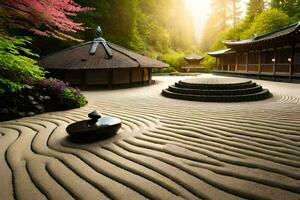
(217, 90)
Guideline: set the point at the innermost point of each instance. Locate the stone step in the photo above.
(243, 85)
(224, 91)
(264, 94)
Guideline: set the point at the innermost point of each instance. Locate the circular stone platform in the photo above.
(220, 89)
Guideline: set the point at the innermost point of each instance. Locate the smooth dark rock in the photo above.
(94, 129)
(95, 115)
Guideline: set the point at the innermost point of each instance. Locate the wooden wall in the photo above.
(277, 61)
(104, 77)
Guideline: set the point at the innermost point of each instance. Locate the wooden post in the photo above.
(236, 62)
(292, 60)
(222, 63)
(143, 75)
(216, 67)
(274, 64)
(149, 75)
(130, 76)
(83, 78)
(110, 78)
(247, 61)
(64, 74)
(259, 63)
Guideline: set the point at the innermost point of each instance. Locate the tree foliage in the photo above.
(42, 17)
(151, 27)
(267, 21)
(290, 7)
(255, 7)
(16, 66)
(226, 13)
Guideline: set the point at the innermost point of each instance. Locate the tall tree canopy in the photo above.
(225, 13)
(152, 27)
(290, 7)
(43, 17)
(255, 7)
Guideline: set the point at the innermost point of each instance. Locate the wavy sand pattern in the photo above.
(166, 149)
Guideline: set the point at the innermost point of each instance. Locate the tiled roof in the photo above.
(221, 52)
(279, 33)
(82, 57)
(193, 56)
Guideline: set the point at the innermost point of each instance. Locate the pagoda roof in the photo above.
(193, 57)
(98, 54)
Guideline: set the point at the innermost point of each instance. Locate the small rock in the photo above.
(30, 114)
(95, 115)
(34, 103)
(40, 108)
(28, 86)
(22, 114)
(4, 111)
(31, 98)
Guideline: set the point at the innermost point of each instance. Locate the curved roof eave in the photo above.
(269, 36)
(221, 52)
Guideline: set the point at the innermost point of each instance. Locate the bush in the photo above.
(43, 96)
(73, 98)
(174, 59)
(209, 62)
(23, 89)
(16, 68)
(62, 96)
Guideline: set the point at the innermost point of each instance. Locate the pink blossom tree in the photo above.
(42, 17)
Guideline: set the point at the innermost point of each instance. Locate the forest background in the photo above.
(164, 29)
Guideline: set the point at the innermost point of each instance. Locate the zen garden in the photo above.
(150, 99)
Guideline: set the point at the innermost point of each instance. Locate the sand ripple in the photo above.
(166, 149)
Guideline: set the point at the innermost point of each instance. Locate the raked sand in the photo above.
(166, 149)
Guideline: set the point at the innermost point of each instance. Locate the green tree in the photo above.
(151, 27)
(236, 12)
(267, 21)
(255, 7)
(226, 12)
(16, 66)
(290, 7)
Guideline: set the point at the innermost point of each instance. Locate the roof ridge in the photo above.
(296, 25)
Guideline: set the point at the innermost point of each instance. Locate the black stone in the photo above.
(97, 128)
(95, 115)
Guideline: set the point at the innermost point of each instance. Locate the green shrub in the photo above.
(174, 59)
(43, 96)
(23, 89)
(73, 99)
(62, 96)
(16, 66)
(209, 62)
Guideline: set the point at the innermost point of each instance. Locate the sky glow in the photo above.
(200, 11)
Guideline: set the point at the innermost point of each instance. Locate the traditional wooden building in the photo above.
(100, 63)
(275, 54)
(193, 61)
